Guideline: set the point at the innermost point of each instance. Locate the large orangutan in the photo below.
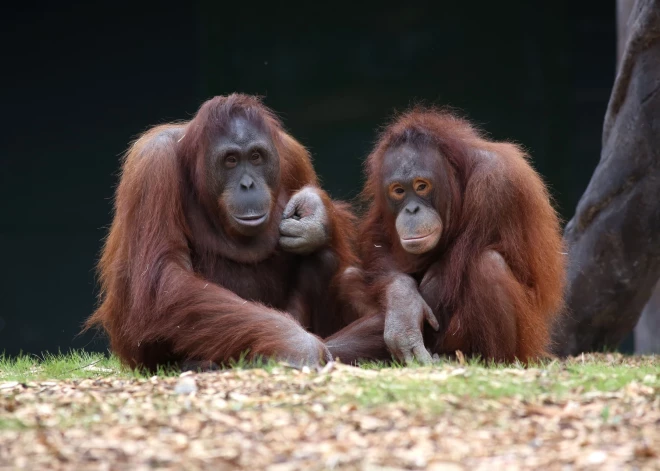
(461, 234)
(222, 243)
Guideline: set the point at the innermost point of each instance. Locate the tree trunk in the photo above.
(614, 237)
(647, 330)
(623, 10)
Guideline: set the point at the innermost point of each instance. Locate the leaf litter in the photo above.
(452, 416)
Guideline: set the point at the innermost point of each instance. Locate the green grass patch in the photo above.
(377, 383)
(421, 387)
(11, 424)
(79, 364)
(72, 365)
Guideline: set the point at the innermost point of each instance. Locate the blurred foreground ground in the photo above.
(594, 412)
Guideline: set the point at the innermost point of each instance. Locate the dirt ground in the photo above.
(447, 417)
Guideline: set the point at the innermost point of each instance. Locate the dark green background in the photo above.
(81, 81)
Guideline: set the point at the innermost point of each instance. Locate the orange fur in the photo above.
(498, 203)
(170, 273)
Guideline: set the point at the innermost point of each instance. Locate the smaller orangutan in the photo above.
(461, 234)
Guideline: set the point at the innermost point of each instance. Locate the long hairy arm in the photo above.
(151, 299)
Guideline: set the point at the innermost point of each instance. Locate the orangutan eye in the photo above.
(396, 191)
(255, 157)
(231, 161)
(422, 187)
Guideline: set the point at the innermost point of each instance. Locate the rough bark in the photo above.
(623, 10)
(614, 237)
(647, 330)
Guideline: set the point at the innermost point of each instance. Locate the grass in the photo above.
(377, 384)
(79, 364)
(420, 387)
(73, 365)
